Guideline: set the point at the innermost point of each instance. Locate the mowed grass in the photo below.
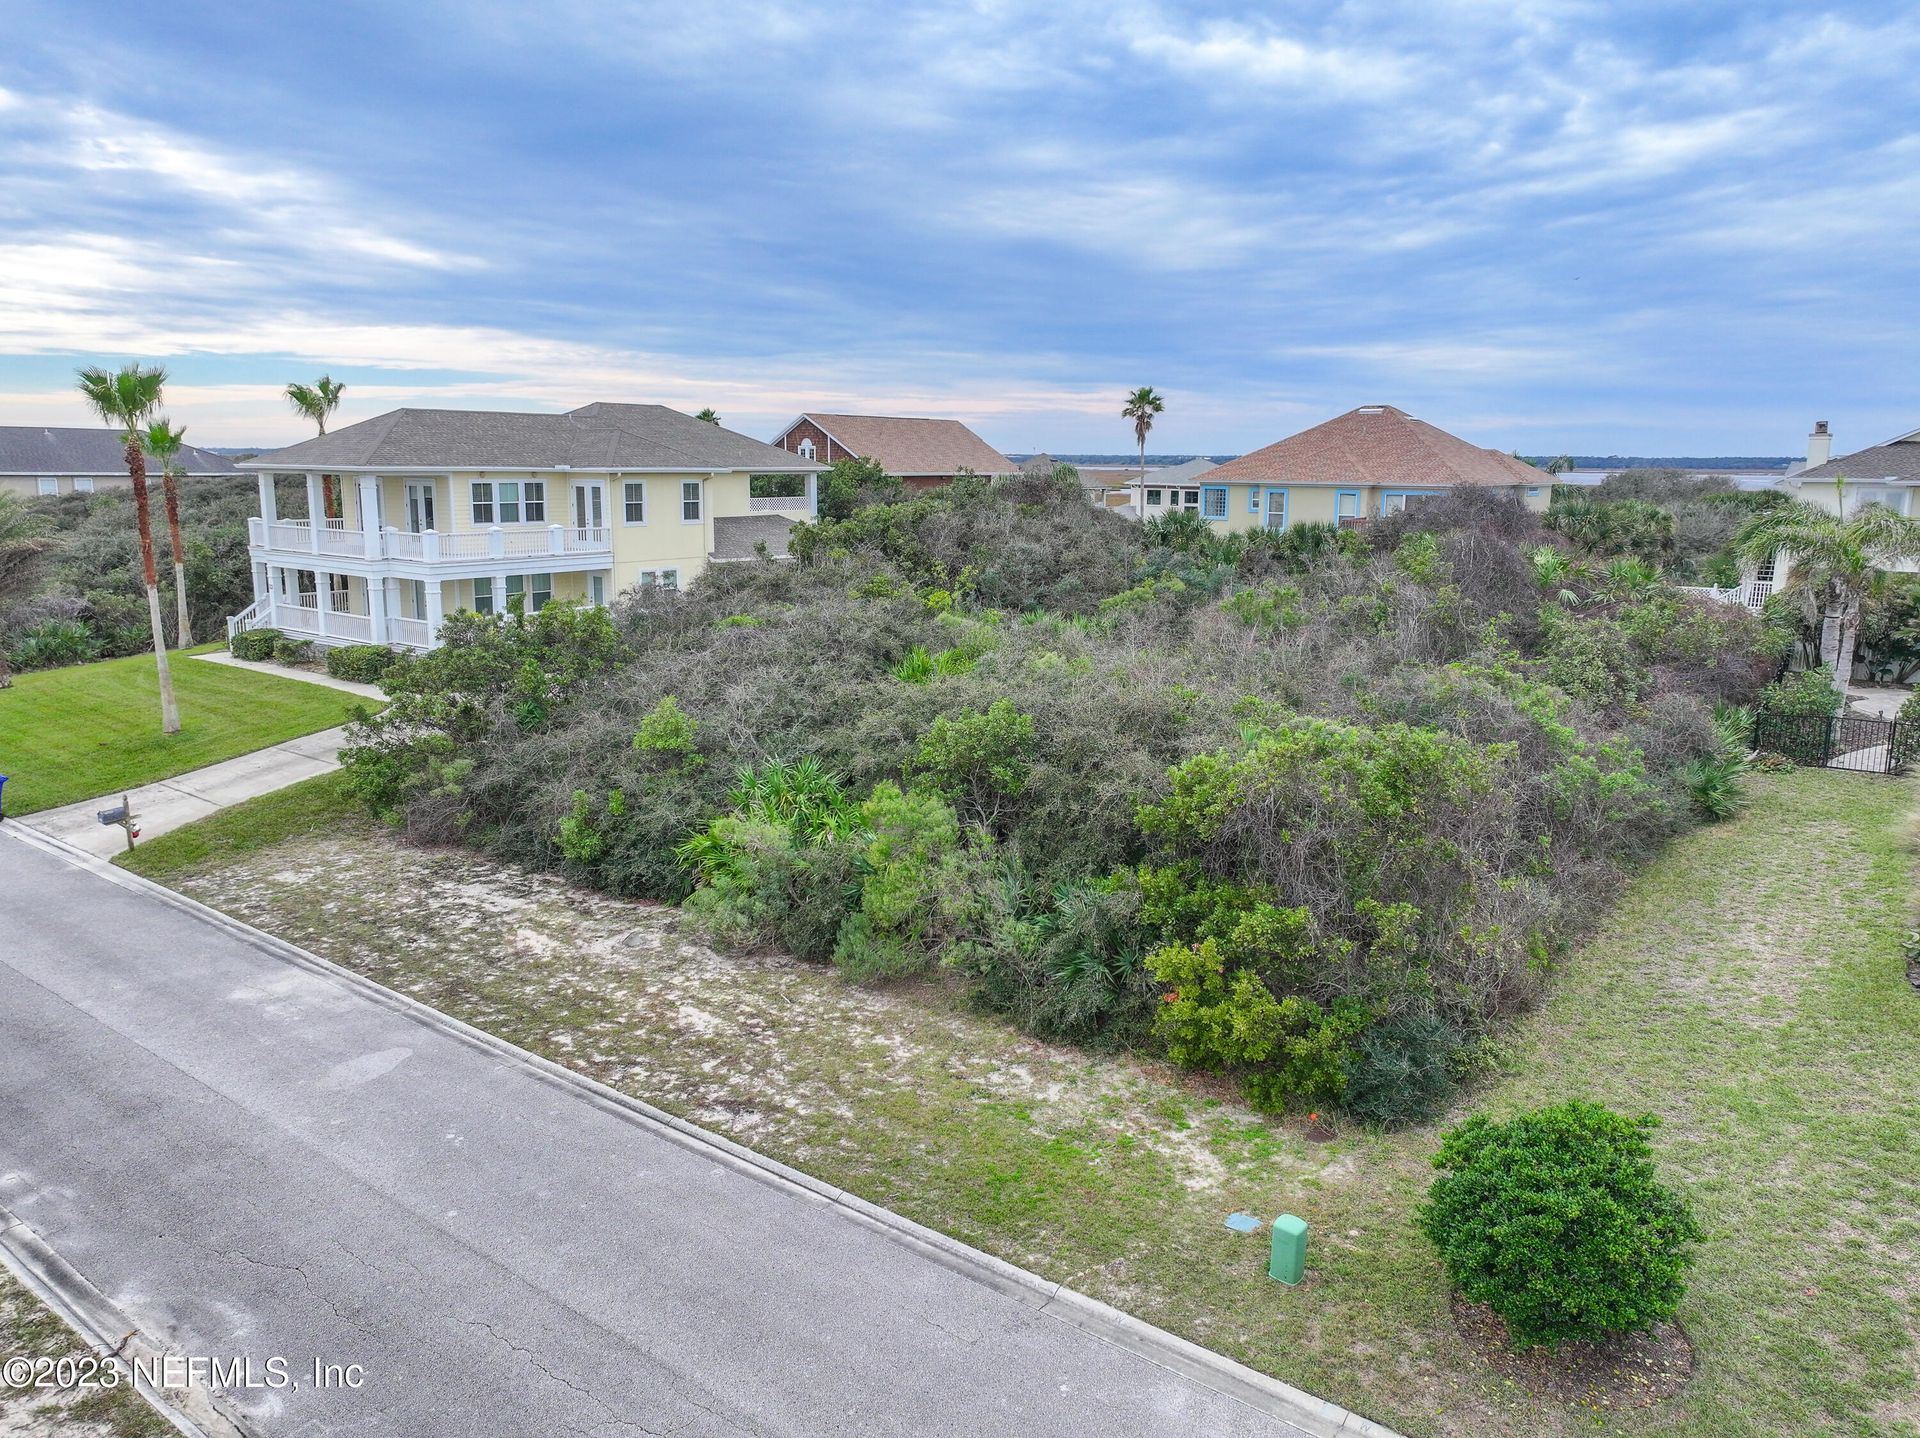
(1747, 988)
(28, 1330)
(94, 729)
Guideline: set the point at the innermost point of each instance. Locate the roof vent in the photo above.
(1371, 409)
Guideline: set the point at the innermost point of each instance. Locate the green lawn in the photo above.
(29, 1330)
(94, 729)
(1747, 988)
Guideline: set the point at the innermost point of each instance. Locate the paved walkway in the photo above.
(254, 1153)
(170, 803)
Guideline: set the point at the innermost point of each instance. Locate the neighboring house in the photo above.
(1039, 464)
(1176, 486)
(1371, 461)
(35, 460)
(445, 510)
(922, 453)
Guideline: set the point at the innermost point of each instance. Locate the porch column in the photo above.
(813, 495)
(377, 610)
(269, 501)
(316, 513)
(369, 488)
(436, 615)
(500, 592)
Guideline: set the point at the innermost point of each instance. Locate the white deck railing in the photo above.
(298, 537)
(780, 504)
(1753, 593)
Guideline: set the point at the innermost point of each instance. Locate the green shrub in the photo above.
(1071, 966)
(978, 760)
(924, 892)
(1712, 785)
(254, 644)
(1592, 659)
(361, 663)
(287, 650)
(667, 729)
(1802, 694)
(1557, 1221)
(1401, 1071)
(53, 643)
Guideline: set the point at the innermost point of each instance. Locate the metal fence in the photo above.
(1863, 746)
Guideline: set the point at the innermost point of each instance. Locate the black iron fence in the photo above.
(1864, 746)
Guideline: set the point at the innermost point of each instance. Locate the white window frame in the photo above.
(46, 487)
(807, 450)
(597, 590)
(1155, 498)
(698, 499)
(83, 486)
(526, 587)
(629, 489)
(506, 501)
(475, 503)
(533, 501)
(480, 607)
(667, 579)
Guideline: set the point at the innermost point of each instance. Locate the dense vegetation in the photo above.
(1316, 809)
(70, 576)
(1663, 516)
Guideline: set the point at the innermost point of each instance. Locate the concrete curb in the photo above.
(195, 1412)
(1315, 1416)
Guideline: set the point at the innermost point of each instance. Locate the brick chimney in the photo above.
(1819, 444)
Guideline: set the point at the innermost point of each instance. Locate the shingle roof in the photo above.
(594, 436)
(1896, 459)
(1376, 445)
(914, 446)
(33, 449)
(738, 536)
(1181, 473)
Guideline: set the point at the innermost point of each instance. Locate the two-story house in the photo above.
(1368, 462)
(442, 510)
(921, 453)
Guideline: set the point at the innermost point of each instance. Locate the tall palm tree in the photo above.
(318, 401)
(125, 400)
(1831, 560)
(709, 414)
(1141, 406)
(162, 441)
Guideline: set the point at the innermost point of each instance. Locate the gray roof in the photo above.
(595, 436)
(736, 537)
(1180, 473)
(35, 449)
(1896, 459)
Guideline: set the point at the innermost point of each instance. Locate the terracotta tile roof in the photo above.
(1377, 445)
(914, 446)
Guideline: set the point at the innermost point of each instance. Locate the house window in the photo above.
(1346, 504)
(1188, 499)
(635, 493)
(1213, 501)
(690, 500)
(1253, 500)
(536, 501)
(49, 486)
(1533, 491)
(1153, 498)
(806, 449)
(597, 589)
(668, 579)
(483, 506)
(483, 596)
(83, 486)
(534, 591)
(509, 502)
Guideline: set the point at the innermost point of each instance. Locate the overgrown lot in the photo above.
(1312, 810)
(1747, 987)
(92, 729)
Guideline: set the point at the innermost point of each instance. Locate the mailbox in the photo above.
(115, 815)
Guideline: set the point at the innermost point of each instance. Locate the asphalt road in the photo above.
(255, 1159)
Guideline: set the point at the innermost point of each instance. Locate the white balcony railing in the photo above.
(413, 633)
(297, 536)
(1753, 593)
(780, 504)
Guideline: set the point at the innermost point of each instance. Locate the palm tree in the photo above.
(162, 441)
(317, 401)
(1141, 406)
(1831, 560)
(709, 415)
(125, 401)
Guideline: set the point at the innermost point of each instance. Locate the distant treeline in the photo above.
(1129, 460)
(1718, 461)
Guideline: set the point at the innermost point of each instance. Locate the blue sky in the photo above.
(1550, 226)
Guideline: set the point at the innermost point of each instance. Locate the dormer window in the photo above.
(806, 449)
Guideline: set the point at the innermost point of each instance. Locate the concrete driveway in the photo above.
(255, 1154)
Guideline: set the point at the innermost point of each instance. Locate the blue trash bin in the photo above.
(3, 796)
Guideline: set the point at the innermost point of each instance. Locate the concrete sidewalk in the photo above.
(170, 803)
(251, 1152)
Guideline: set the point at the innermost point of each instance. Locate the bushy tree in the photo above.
(1558, 1221)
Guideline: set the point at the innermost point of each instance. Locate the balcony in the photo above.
(298, 538)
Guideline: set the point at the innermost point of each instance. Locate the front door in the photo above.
(589, 502)
(419, 507)
(1276, 509)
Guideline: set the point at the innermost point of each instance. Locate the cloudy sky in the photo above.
(1550, 226)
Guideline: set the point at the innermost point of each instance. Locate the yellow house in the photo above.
(1371, 461)
(423, 512)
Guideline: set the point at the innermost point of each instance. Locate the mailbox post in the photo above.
(124, 816)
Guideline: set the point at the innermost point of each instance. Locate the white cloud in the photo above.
(1310, 72)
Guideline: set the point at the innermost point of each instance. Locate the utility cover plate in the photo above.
(1243, 1223)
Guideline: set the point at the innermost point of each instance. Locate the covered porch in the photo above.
(330, 607)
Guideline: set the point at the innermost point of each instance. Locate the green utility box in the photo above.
(1289, 1261)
